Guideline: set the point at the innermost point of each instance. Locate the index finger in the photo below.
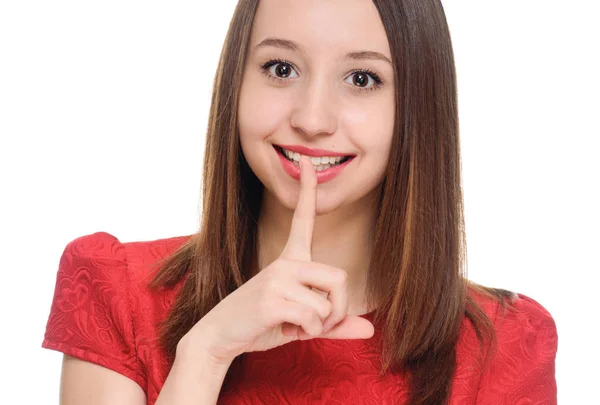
(299, 243)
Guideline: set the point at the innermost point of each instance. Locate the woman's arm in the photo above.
(194, 379)
(87, 383)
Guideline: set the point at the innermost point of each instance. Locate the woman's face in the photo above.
(318, 81)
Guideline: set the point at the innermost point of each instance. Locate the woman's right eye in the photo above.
(279, 70)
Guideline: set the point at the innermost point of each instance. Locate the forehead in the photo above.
(322, 25)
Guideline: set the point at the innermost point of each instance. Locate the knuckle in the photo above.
(308, 315)
(336, 317)
(327, 307)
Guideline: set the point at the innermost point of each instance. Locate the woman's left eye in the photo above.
(364, 80)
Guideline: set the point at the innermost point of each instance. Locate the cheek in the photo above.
(370, 127)
(260, 113)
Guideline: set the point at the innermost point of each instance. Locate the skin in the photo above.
(318, 105)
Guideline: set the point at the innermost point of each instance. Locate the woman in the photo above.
(329, 263)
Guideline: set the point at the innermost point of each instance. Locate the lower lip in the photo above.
(322, 176)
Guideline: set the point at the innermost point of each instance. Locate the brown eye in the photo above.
(282, 70)
(279, 70)
(360, 79)
(364, 80)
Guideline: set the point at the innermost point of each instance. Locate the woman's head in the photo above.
(318, 74)
(295, 73)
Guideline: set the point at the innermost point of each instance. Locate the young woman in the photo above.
(329, 265)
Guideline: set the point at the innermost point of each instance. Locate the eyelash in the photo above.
(266, 66)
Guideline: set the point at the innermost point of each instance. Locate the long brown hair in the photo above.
(417, 276)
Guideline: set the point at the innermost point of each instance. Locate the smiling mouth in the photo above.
(320, 163)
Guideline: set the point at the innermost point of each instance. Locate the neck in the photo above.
(341, 239)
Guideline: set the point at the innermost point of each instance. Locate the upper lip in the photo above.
(303, 150)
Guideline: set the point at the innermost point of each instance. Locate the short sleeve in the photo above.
(91, 317)
(522, 366)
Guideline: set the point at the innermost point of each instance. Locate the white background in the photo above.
(103, 108)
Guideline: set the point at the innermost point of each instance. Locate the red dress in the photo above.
(102, 312)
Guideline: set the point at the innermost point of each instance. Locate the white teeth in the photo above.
(320, 163)
(322, 167)
(317, 168)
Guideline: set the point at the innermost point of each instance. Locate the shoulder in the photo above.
(101, 266)
(91, 267)
(522, 326)
(98, 273)
(517, 315)
(105, 244)
(106, 252)
(526, 315)
(514, 310)
(102, 310)
(526, 335)
(100, 245)
(522, 356)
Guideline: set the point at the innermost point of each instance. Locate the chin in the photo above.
(288, 199)
(328, 205)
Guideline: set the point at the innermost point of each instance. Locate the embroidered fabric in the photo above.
(103, 312)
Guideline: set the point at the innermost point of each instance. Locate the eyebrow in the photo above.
(292, 46)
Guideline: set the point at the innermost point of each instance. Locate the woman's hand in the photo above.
(277, 305)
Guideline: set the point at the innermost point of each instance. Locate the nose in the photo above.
(315, 114)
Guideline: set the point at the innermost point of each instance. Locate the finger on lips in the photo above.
(299, 243)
